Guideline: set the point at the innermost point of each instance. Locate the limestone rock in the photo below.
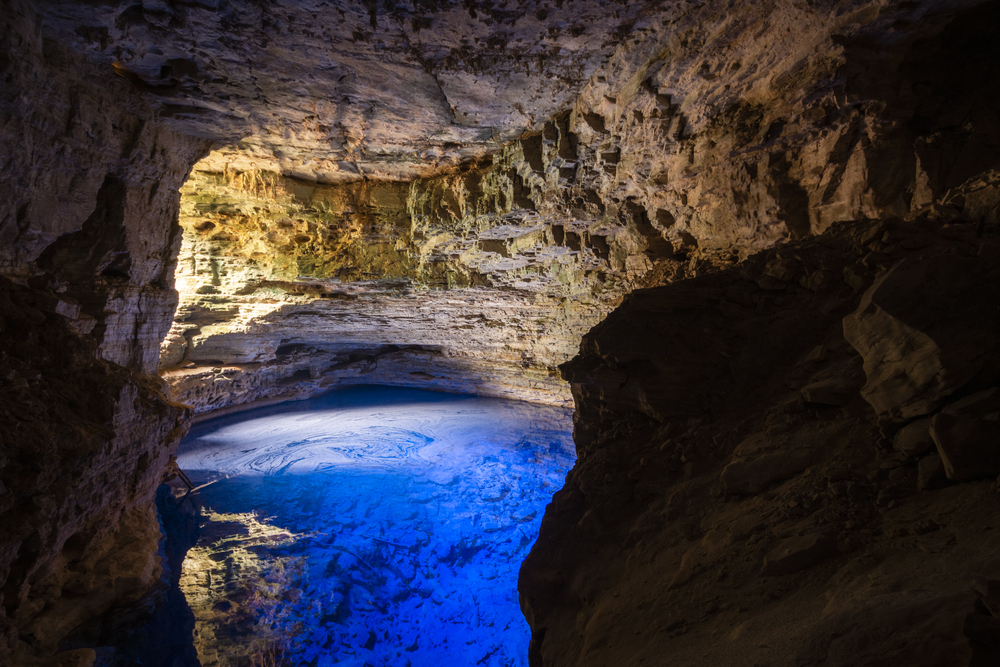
(828, 392)
(982, 629)
(925, 329)
(693, 459)
(87, 245)
(799, 553)
(753, 475)
(931, 473)
(981, 403)
(75, 549)
(914, 438)
(969, 447)
(301, 290)
(82, 657)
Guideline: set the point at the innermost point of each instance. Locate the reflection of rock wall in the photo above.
(87, 241)
(329, 481)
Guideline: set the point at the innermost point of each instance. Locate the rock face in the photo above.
(672, 156)
(341, 92)
(728, 517)
(289, 288)
(915, 356)
(446, 194)
(87, 245)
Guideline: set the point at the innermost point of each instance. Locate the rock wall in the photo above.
(674, 158)
(87, 245)
(460, 283)
(744, 496)
(737, 129)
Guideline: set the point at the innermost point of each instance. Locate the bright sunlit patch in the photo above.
(396, 521)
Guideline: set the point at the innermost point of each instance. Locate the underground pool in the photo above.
(370, 526)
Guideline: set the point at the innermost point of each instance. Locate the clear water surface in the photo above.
(407, 512)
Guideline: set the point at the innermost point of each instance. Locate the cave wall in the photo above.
(793, 460)
(450, 283)
(88, 237)
(556, 164)
(705, 136)
(802, 476)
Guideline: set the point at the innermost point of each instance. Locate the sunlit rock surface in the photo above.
(371, 525)
(289, 288)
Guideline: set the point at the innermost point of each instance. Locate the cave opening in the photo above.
(376, 525)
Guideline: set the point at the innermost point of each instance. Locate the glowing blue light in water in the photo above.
(413, 511)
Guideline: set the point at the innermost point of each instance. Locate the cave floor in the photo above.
(374, 525)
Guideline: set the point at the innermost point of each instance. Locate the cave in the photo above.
(752, 248)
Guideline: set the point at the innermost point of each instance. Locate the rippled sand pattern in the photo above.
(407, 512)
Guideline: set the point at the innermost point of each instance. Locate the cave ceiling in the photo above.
(334, 91)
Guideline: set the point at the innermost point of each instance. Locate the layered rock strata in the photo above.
(340, 92)
(290, 288)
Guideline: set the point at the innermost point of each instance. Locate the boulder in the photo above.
(753, 475)
(925, 329)
(969, 447)
(828, 392)
(981, 403)
(930, 473)
(782, 269)
(914, 438)
(81, 657)
(982, 629)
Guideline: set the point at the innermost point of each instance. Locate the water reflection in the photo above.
(373, 525)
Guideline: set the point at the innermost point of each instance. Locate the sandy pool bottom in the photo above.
(370, 526)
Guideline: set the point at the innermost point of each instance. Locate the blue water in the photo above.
(405, 515)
